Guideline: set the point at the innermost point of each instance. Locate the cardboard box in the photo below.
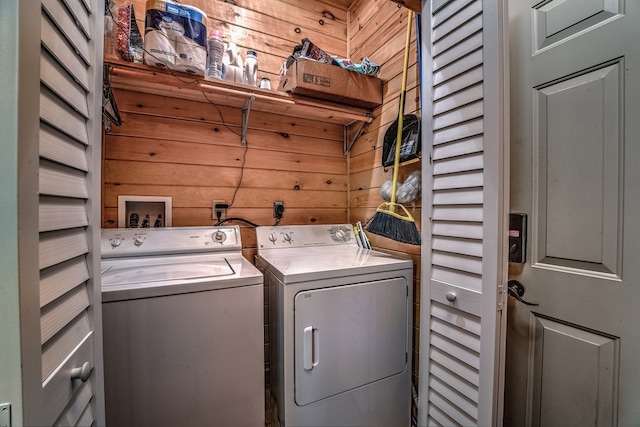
(332, 83)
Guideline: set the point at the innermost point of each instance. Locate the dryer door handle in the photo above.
(310, 347)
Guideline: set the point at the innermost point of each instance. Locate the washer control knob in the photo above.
(340, 234)
(287, 237)
(273, 237)
(219, 237)
(115, 242)
(138, 240)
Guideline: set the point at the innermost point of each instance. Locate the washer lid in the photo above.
(160, 273)
(144, 277)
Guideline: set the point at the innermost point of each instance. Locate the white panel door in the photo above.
(572, 360)
(464, 268)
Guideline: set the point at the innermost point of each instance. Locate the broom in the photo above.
(387, 221)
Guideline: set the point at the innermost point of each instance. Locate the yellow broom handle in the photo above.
(396, 162)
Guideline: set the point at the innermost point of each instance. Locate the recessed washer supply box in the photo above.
(332, 83)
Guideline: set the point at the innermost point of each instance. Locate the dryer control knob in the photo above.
(115, 242)
(138, 240)
(340, 234)
(273, 237)
(287, 237)
(219, 236)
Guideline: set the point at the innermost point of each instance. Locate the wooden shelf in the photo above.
(157, 81)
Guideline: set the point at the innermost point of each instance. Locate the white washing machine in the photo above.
(183, 322)
(339, 328)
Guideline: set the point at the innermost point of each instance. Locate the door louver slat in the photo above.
(457, 181)
(57, 213)
(61, 278)
(438, 418)
(457, 320)
(465, 65)
(462, 131)
(454, 365)
(459, 335)
(75, 412)
(458, 116)
(88, 5)
(460, 147)
(61, 83)
(458, 53)
(67, 26)
(61, 311)
(59, 246)
(458, 81)
(453, 388)
(456, 21)
(459, 164)
(58, 147)
(80, 15)
(86, 420)
(56, 351)
(443, 12)
(459, 417)
(458, 197)
(61, 116)
(60, 49)
(455, 350)
(58, 180)
(461, 33)
(460, 97)
(469, 231)
(457, 245)
(458, 213)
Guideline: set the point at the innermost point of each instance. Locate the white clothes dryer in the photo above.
(183, 322)
(339, 328)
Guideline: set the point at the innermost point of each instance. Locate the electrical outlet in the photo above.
(219, 210)
(278, 209)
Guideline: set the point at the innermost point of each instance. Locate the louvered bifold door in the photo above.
(461, 337)
(68, 143)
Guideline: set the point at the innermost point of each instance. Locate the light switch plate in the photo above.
(5, 414)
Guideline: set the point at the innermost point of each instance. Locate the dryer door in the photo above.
(349, 336)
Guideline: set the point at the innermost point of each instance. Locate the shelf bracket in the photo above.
(346, 147)
(246, 110)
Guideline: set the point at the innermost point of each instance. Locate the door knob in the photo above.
(516, 290)
(451, 296)
(82, 373)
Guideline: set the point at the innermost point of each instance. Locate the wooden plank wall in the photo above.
(377, 30)
(272, 28)
(191, 150)
(181, 148)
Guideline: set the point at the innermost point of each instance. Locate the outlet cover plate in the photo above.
(214, 215)
(276, 203)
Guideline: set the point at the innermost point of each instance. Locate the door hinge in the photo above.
(5, 414)
(501, 297)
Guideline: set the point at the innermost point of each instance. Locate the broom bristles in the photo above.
(394, 226)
